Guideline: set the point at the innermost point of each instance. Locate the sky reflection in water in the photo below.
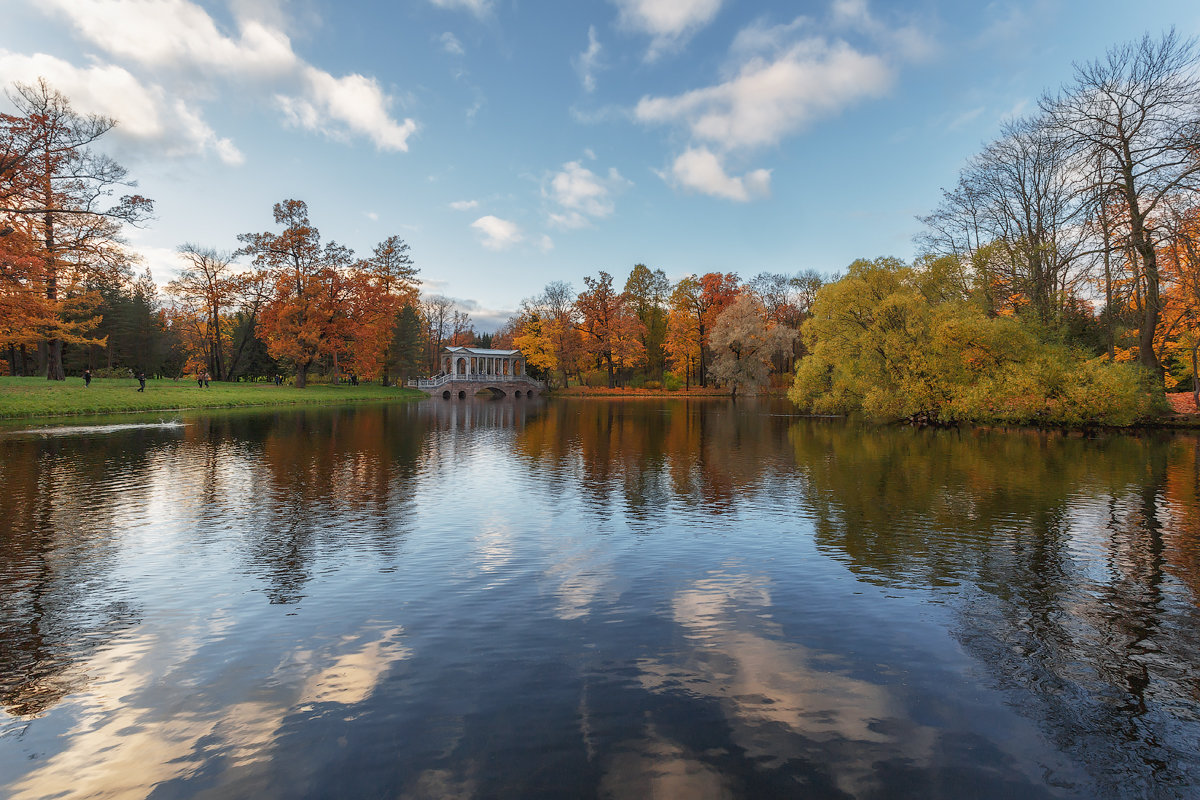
(621, 599)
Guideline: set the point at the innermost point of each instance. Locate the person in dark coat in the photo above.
(87, 378)
(141, 381)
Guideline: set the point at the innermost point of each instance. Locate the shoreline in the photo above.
(24, 399)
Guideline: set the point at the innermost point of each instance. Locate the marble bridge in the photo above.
(469, 370)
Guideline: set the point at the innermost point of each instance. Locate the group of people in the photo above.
(202, 379)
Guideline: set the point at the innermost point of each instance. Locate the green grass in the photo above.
(38, 397)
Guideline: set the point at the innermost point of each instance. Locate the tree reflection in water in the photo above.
(1077, 565)
(597, 598)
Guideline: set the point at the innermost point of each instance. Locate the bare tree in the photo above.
(435, 314)
(1136, 115)
(743, 344)
(1032, 206)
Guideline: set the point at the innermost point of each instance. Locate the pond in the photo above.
(595, 599)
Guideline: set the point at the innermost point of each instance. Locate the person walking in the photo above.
(207, 378)
(87, 378)
(141, 381)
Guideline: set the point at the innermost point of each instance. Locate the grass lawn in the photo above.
(38, 397)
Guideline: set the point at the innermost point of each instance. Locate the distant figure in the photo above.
(278, 379)
(141, 381)
(200, 379)
(353, 379)
(87, 378)
(207, 378)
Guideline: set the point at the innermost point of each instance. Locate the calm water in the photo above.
(578, 599)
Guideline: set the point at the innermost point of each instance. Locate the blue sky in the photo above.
(516, 142)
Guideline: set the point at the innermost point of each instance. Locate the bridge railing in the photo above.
(442, 380)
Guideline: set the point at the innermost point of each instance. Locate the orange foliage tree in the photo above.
(695, 305)
(307, 314)
(59, 229)
(384, 284)
(611, 329)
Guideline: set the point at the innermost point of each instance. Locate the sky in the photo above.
(516, 142)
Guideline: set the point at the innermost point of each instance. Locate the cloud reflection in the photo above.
(135, 730)
(782, 700)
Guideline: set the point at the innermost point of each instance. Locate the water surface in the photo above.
(595, 599)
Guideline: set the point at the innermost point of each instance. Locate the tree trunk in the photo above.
(1146, 355)
(1195, 377)
(302, 374)
(54, 365)
(1144, 248)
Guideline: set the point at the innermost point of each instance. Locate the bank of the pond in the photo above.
(676, 394)
(37, 397)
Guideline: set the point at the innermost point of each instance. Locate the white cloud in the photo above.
(464, 205)
(451, 44)
(779, 80)
(186, 51)
(149, 118)
(770, 98)
(582, 194)
(700, 170)
(498, 234)
(669, 22)
(354, 101)
(373, 216)
(171, 33)
(545, 244)
(909, 41)
(480, 8)
(588, 62)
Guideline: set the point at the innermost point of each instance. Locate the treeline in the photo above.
(700, 330)
(1069, 246)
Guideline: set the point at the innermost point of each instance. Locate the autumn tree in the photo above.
(557, 306)
(683, 344)
(743, 343)
(878, 346)
(205, 289)
(786, 300)
(386, 282)
(610, 329)
(307, 314)
(536, 342)
(59, 192)
(696, 303)
(1180, 260)
(647, 291)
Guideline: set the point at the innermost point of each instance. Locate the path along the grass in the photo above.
(37, 397)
